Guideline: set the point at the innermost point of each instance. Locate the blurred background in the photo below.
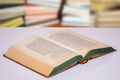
(105, 13)
(60, 13)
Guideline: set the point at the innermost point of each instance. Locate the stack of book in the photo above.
(106, 13)
(15, 13)
(42, 12)
(12, 13)
(101, 5)
(108, 19)
(76, 13)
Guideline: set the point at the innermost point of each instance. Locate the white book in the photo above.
(76, 21)
(76, 24)
(75, 12)
(80, 10)
(48, 3)
(11, 12)
(78, 4)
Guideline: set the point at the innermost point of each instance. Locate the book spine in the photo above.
(47, 3)
(37, 19)
(11, 12)
(68, 10)
(4, 2)
(108, 19)
(109, 13)
(13, 23)
(45, 23)
(85, 25)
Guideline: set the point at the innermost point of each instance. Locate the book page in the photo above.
(46, 51)
(74, 41)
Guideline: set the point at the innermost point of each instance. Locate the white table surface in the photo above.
(103, 68)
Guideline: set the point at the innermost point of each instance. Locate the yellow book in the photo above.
(108, 19)
(56, 51)
(13, 23)
(3, 2)
(101, 5)
(114, 13)
(108, 25)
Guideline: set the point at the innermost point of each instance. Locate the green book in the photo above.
(56, 51)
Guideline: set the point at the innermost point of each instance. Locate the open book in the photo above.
(56, 51)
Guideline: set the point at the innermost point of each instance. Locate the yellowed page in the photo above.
(74, 41)
(45, 51)
(37, 50)
(28, 61)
